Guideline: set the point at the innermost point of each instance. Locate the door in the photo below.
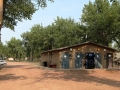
(98, 63)
(65, 60)
(78, 60)
(109, 60)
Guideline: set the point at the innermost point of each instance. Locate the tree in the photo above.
(115, 46)
(15, 48)
(112, 0)
(33, 42)
(66, 32)
(12, 11)
(26, 44)
(41, 38)
(102, 20)
(3, 51)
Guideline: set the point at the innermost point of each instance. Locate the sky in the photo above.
(62, 8)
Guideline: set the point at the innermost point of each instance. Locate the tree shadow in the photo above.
(78, 76)
(1, 67)
(113, 70)
(11, 77)
(14, 66)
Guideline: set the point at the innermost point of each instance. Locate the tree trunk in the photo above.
(14, 57)
(1, 16)
(106, 43)
(1, 13)
(20, 57)
(32, 53)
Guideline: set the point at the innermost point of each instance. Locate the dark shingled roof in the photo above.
(79, 45)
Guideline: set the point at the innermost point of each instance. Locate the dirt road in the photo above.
(27, 76)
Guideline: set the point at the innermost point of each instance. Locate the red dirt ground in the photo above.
(28, 76)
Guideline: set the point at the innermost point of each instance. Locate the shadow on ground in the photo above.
(14, 66)
(11, 77)
(78, 76)
(113, 70)
(1, 67)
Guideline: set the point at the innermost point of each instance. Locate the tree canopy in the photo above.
(17, 10)
(102, 20)
(100, 23)
(62, 32)
(15, 48)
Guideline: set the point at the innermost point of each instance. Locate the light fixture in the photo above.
(65, 56)
(78, 56)
(98, 49)
(104, 50)
(97, 56)
(78, 49)
(70, 49)
(109, 55)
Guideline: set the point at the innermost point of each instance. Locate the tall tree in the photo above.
(33, 41)
(3, 51)
(62, 32)
(67, 32)
(15, 48)
(102, 20)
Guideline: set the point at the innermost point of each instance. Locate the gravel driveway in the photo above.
(27, 76)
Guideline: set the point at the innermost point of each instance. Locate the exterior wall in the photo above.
(81, 49)
(51, 58)
(57, 55)
(60, 58)
(88, 48)
(92, 48)
(44, 57)
(117, 55)
(55, 59)
(117, 60)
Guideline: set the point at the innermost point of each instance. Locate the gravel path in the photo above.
(27, 76)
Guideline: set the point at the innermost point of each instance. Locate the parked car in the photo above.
(2, 62)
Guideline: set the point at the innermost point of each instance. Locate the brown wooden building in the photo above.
(73, 57)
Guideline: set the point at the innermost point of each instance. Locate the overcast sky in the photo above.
(61, 8)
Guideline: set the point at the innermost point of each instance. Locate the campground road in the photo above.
(28, 76)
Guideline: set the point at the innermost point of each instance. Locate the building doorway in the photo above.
(98, 63)
(109, 60)
(78, 60)
(65, 60)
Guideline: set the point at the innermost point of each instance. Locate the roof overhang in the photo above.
(79, 45)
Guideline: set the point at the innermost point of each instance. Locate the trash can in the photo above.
(45, 64)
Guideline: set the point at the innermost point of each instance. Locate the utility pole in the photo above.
(1, 16)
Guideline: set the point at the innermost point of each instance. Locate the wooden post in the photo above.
(1, 16)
